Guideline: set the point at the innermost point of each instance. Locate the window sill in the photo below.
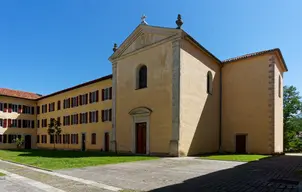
(141, 88)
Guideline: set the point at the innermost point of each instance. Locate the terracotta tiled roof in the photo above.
(256, 54)
(249, 55)
(19, 94)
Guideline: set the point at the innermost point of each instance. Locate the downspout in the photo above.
(220, 110)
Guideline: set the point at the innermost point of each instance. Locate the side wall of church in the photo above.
(199, 110)
(246, 104)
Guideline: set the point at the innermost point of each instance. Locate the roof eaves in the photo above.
(77, 86)
(18, 97)
(282, 58)
(256, 54)
(201, 47)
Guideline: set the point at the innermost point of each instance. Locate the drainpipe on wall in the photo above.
(220, 111)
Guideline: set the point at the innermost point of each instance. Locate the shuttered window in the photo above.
(106, 115)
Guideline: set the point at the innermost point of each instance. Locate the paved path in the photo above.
(46, 181)
(189, 174)
(164, 175)
(8, 184)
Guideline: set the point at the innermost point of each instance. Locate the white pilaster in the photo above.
(114, 83)
(271, 103)
(174, 143)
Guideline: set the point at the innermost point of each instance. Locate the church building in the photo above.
(172, 96)
(167, 95)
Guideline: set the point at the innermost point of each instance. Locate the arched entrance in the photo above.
(141, 130)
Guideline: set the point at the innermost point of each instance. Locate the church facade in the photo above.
(171, 96)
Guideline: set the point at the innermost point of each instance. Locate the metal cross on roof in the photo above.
(143, 18)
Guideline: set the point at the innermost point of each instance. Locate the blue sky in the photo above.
(49, 45)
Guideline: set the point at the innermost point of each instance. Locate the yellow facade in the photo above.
(247, 81)
(96, 126)
(169, 96)
(199, 111)
(160, 102)
(9, 129)
(99, 128)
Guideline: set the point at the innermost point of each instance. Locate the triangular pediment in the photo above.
(143, 36)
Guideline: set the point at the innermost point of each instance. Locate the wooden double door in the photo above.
(141, 138)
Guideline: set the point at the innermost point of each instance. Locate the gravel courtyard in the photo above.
(193, 174)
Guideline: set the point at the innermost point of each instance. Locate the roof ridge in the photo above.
(19, 94)
(19, 90)
(249, 55)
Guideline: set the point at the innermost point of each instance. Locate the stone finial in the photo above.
(114, 47)
(143, 20)
(179, 22)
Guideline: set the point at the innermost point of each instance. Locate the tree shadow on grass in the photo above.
(267, 174)
(68, 154)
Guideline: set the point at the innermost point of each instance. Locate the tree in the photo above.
(292, 122)
(54, 129)
(19, 142)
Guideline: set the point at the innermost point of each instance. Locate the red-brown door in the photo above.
(141, 138)
(106, 141)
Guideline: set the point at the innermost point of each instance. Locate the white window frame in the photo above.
(73, 119)
(93, 117)
(83, 118)
(14, 123)
(67, 120)
(52, 107)
(74, 102)
(93, 96)
(83, 99)
(66, 104)
(15, 108)
(107, 93)
(73, 139)
(44, 110)
(106, 115)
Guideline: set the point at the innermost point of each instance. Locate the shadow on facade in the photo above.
(283, 172)
(9, 134)
(206, 136)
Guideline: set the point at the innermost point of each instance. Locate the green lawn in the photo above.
(66, 159)
(235, 157)
(2, 174)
